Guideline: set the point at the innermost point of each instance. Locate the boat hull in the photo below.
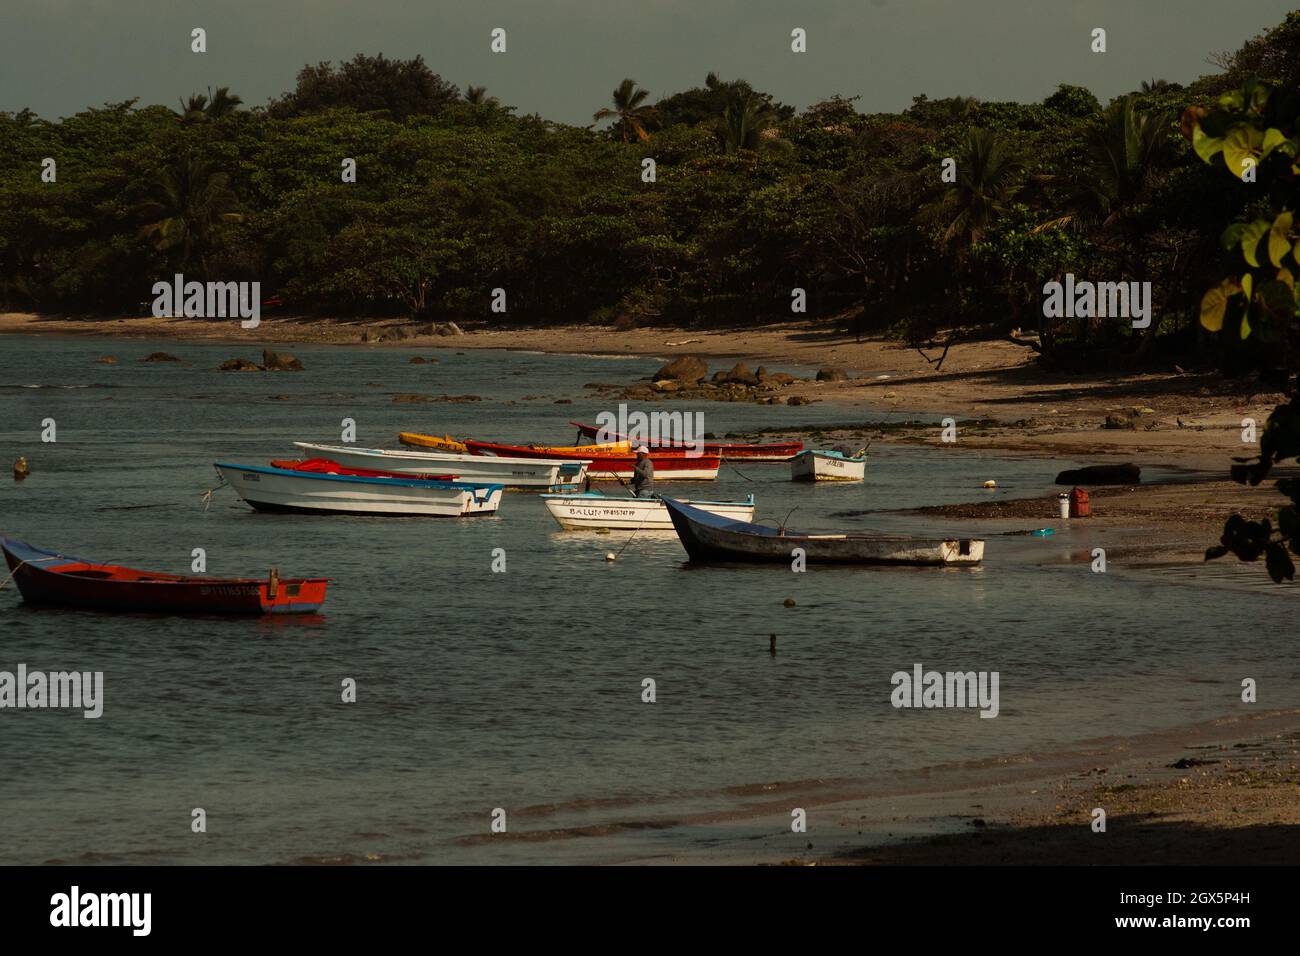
(50, 579)
(707, 538)
(281, 490)
(594, 512)
(528, 473)
(816, 466)
(439, 443)
(738, 451)
(669, 465)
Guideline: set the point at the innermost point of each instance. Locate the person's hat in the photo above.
(642, 450)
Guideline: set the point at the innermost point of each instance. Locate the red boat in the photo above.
(323, 466)
(669, 465)
(46, 577)
(727, 451)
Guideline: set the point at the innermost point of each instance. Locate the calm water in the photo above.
(522, 690)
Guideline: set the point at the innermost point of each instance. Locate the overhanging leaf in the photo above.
(1272, 139)
(1215, 303)
(1250, 238)
(1207, 147)
(1232, 235)
(1279, 242)
(1241, 148)
(1279, 563)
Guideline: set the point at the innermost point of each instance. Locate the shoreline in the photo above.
(1216, 792)
(1002, 398)
(1220, 793)
(1002, 402)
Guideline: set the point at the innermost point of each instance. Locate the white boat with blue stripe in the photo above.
(828, 465)
(282, 489)
(595, 512)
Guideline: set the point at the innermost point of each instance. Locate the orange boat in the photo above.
(47, 577)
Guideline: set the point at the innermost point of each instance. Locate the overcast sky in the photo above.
(565, 56)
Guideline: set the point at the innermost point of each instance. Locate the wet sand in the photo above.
(1221, 792)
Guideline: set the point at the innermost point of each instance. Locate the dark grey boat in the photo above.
(709, 537)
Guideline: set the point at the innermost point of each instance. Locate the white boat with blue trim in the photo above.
(828, 465)
(537, 474)
(596, 512)
(313, 492)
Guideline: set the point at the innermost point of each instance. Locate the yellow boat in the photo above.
(445, 443)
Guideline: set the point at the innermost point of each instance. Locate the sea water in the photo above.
(524, 691)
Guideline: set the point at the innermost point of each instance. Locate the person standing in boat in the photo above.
(643, 475)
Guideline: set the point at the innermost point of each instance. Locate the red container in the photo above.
(1079, 507)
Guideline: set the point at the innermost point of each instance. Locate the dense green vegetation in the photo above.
(1252, 134)
(455, 196)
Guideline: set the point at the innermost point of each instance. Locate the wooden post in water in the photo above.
(771, 645)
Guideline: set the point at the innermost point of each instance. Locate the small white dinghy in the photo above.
(594, 511)
(537, 474)
(283, 489)
(828, 466)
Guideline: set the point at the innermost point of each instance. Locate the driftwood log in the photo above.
(1128, 474)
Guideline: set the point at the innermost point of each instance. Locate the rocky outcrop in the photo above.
(773, 378)
(277, 362)
(159, 357)
(410, 398)
(686, 368)
(832, 373)
(739, 374)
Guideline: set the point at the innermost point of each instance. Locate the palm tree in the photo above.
(1124, 150)
(988, 178)
(632, 116)
(195, 108)
(1154, 86)
(477, 95)
(212, 106)
(187, 206)
(222, 102)
(747, 123)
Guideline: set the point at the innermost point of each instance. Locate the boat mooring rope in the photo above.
(631, 536)
(207, 495)
(53, 557)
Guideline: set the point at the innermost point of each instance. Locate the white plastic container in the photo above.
(1064, 501)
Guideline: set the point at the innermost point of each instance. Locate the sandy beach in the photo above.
(1235, 796)
(1223, 793)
